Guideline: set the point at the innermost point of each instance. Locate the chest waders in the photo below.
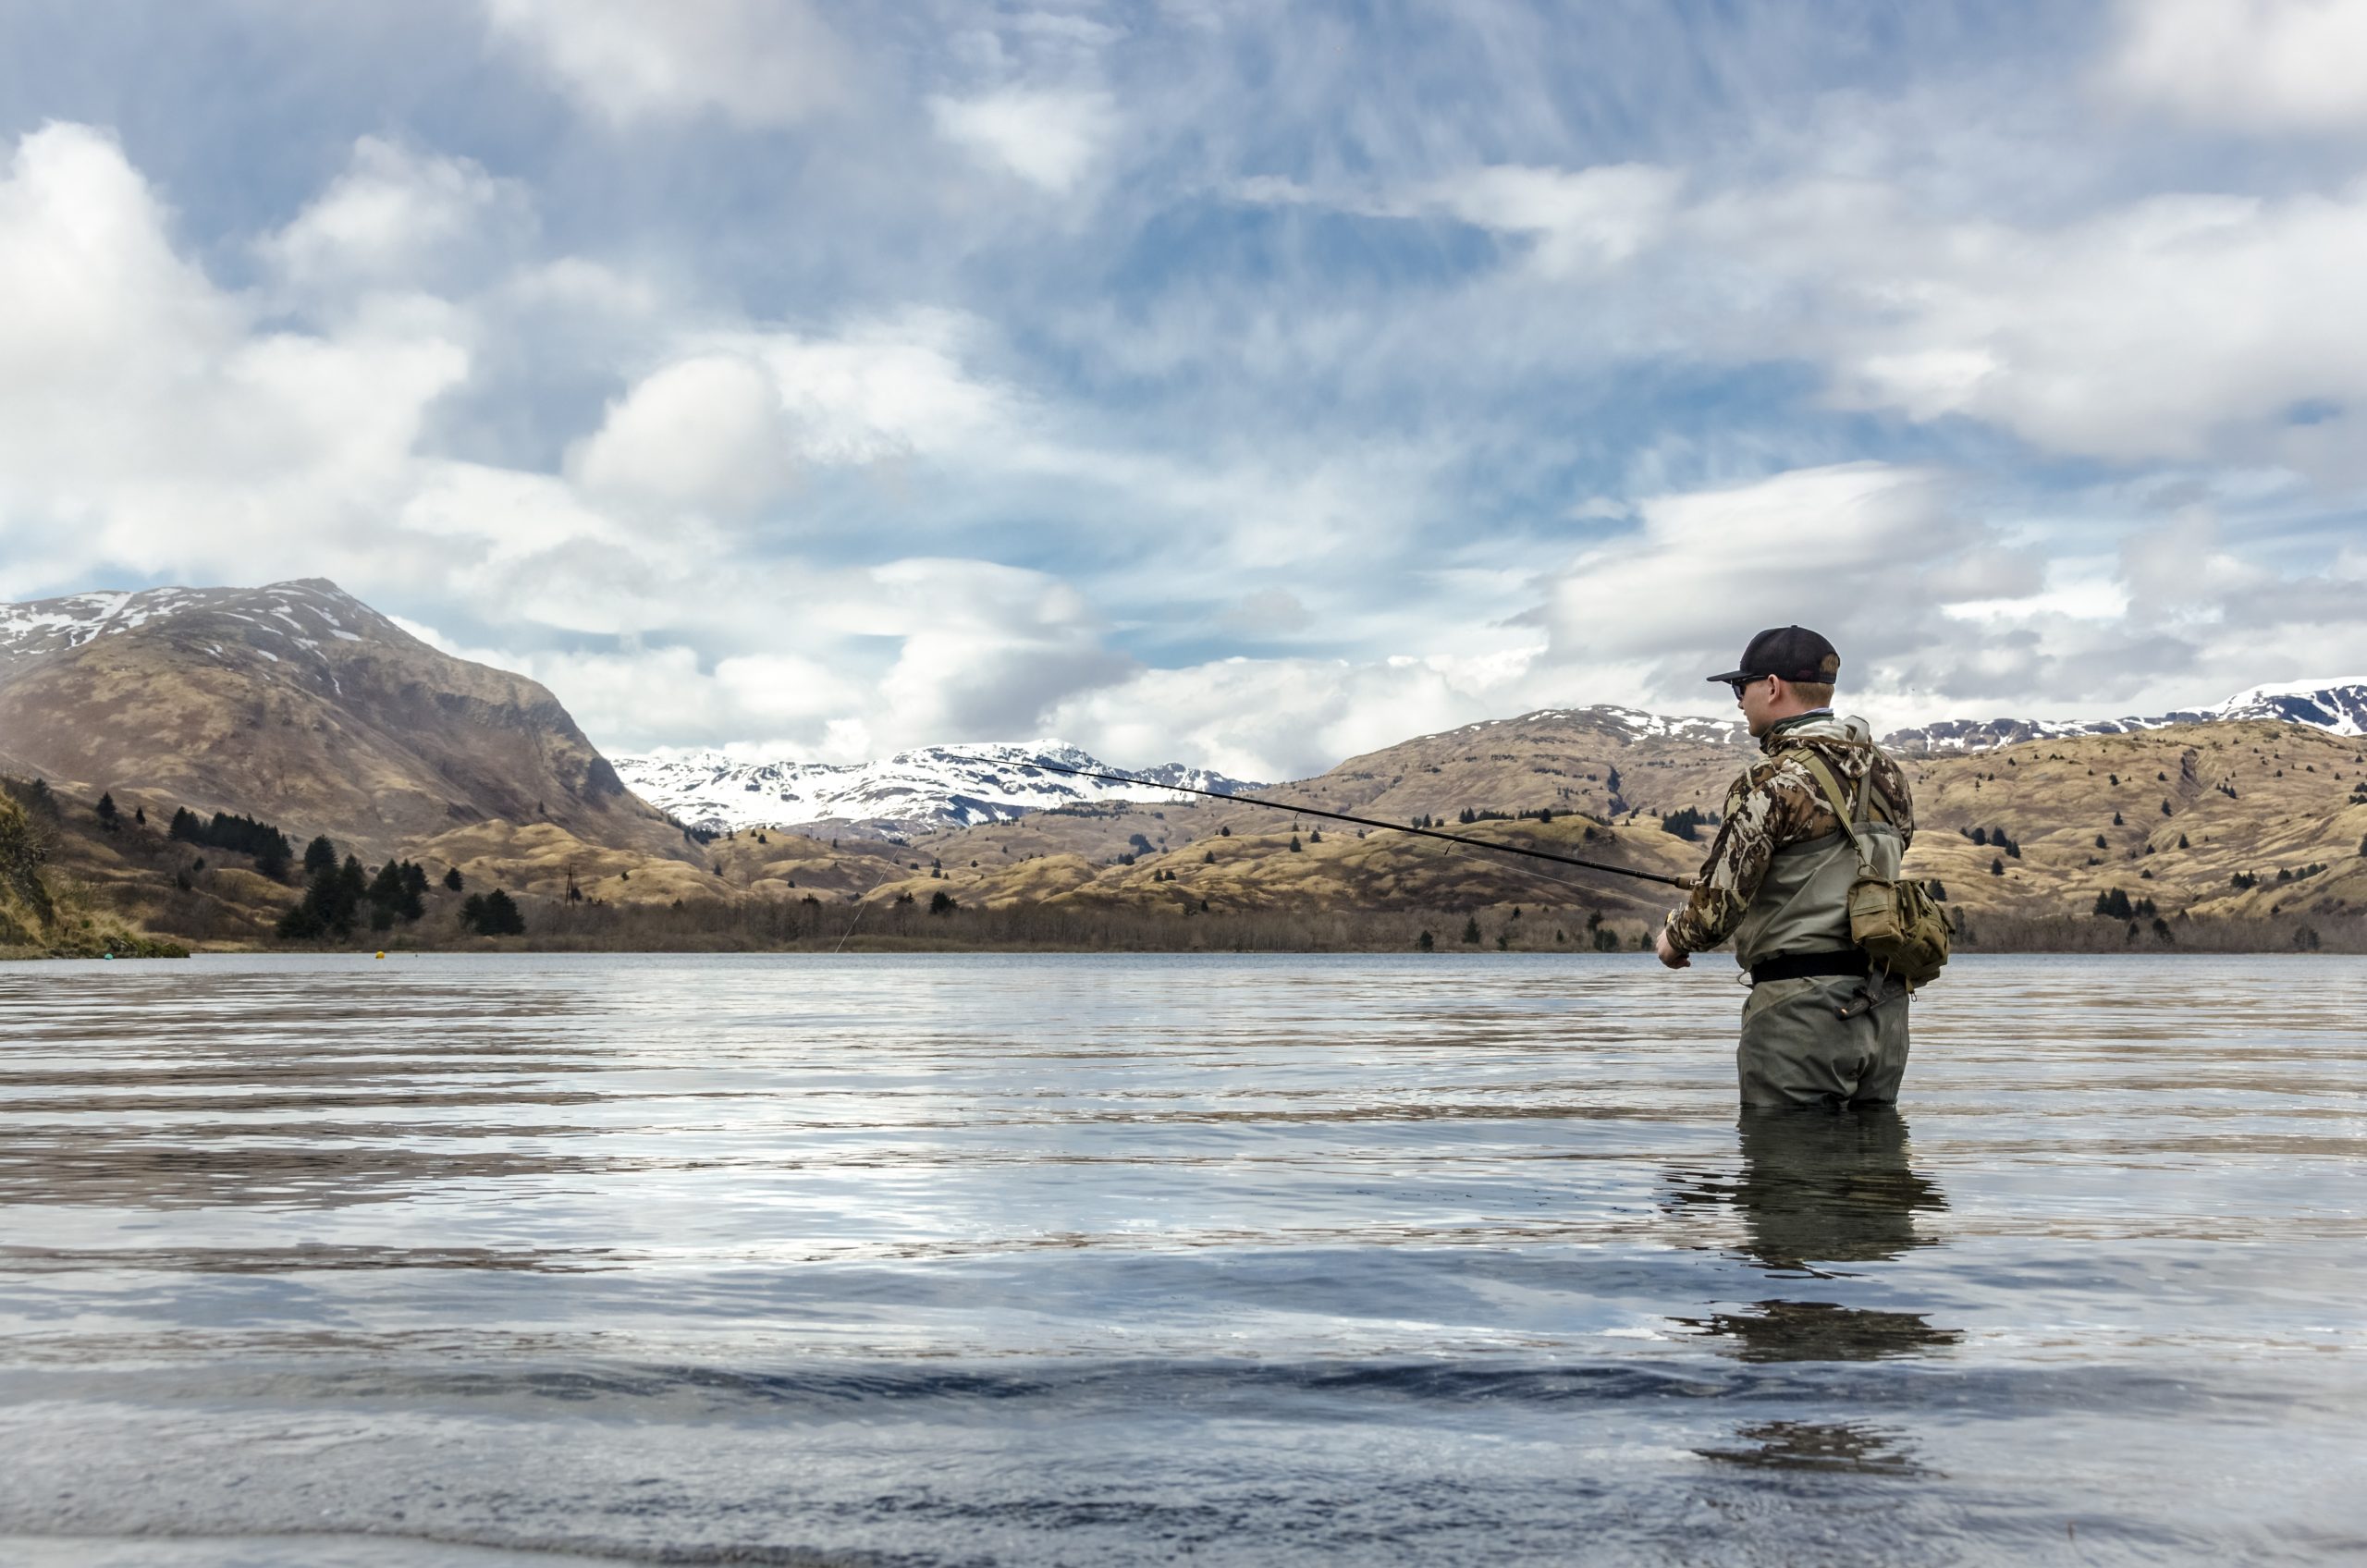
(1820, 1027)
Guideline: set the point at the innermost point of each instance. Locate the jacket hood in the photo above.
(1848, 728)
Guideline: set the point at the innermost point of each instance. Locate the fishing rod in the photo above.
(1373, 822)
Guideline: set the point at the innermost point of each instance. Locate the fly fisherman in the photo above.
(1819, 1028)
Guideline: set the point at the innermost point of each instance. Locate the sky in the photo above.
(1243, 385)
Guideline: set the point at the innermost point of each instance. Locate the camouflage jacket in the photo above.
(1776, 801)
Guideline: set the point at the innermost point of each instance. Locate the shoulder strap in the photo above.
(1832, 788)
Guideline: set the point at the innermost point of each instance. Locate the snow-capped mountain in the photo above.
(293, 617)
(913, 792)
(2337, 704)
(1637, 725)
(297, 703)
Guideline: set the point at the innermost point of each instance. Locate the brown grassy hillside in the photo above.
(297, 703)
(2198, 806)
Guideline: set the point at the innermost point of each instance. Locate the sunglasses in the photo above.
(1744, 684)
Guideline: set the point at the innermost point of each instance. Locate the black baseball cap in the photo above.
(1792, 652)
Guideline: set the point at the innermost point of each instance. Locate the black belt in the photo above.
(1805, 967)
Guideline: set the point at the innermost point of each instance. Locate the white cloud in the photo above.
(1049, 139)
(1578, 220)
(397, 218)
(148, 419)
(1582, 219)
(1266, 719)
(727, 426)
(2182, 327)
(1826, 547)
(2254, 64)
(757, 61)
(707, 434)
(986, 647)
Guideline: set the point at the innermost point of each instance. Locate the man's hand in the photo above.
(1668, 953)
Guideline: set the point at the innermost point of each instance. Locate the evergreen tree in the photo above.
(106, 810)
(452, 878)
(1425, 942)
(318, 853)
(301, 924)
(332, 901)
(1996, 868)
(1294, 846)
(184, 826)
(1471, 930)
(140, 816)
(502, 916)
(941, 903)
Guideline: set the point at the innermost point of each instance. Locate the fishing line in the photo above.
(1374, 822)
(860, 905)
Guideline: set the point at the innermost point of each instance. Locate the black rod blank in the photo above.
(1373, 822)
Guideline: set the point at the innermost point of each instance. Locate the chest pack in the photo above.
(1902, 928)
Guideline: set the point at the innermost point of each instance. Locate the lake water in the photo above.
(1121, 1259)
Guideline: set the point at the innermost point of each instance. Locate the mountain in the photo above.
(2338, 705)
(912, 792)
(297, 703)
(2261, 823)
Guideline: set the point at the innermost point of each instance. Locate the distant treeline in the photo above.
(242, 834)
(814, 923)
(2144, 931)
(342, 895)
(811, 925)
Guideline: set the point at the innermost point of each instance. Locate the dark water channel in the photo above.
(1087, 1260)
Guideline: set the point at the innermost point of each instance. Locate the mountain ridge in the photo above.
(2336, 705)
(924, 790)
(298, 703)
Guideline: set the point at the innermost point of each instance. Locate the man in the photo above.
(1819, 1029)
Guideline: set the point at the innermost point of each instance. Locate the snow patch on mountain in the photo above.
(914, 791)
(1640, 726)
(303, 610)
(2339, 704)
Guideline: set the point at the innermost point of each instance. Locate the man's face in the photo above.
(1756, 699)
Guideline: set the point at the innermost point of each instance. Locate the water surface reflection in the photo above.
(975, 1261)
(1818, 1188)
